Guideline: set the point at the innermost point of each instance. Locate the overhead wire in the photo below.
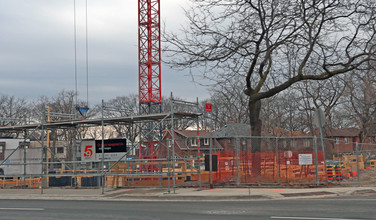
(75, 48)
(75, 52)
(87, 60)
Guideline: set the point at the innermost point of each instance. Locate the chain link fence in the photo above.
(185, 162)
(270, 160)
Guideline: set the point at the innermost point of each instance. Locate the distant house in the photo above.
(186, 142)
(344, 140)
(230, 133)
(227, 138)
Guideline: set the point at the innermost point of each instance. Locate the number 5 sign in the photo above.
(88, 152)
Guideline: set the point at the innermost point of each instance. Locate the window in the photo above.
(370, 140)
(206, 141)
(2, 148)
(60, 150)
(23, 147)
(284, 143)
(293, 143)
(307, 143)
(193, 142)
(337, 140)
(229, 141)
(347, 140)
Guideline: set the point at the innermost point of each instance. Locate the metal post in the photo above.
(168, 169)
(102, 161)
(24, 160)
(48, 147)
(198, 150)
(321, 134)
(168, 145)
(277, 160)
(316, 161)
(160, 168)
(237, 160)
(42, 154)
(75, 157)
(210, 154)
(357, 160)
(172, 144)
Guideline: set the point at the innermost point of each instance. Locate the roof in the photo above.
(183, 144)
(233, 130)
(193, 133)
(281, 132)
(342, 132)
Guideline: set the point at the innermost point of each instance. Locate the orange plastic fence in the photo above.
(268, 167)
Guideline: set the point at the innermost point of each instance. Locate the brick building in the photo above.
(187, 142)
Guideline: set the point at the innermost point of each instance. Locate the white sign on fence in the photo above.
(305, 159)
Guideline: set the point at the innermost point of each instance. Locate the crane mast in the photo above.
(149, 52)
(149, 69)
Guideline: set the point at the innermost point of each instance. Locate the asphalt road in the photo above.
(335, 208)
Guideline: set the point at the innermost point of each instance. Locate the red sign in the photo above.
(88, 151)
(208, 107)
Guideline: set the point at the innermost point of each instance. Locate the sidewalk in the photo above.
(184, 194)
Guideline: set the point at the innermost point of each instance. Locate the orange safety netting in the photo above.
(268, 168)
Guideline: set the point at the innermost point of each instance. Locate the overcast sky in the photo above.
(37, 49)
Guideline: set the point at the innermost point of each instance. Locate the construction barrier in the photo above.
(18, 183)
(338, 173)
(330, 172)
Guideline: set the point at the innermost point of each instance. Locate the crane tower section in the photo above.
(149, 69)
(149, 54)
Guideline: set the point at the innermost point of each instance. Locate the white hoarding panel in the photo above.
(15, 163)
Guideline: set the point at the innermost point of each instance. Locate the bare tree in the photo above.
(64, 105)
(229, 103)
(274, 44)
(13, 111)
(281, 114)
(120, 107)
(361, 105)
(327, 95)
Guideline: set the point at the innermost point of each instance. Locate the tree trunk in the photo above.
(256, 125)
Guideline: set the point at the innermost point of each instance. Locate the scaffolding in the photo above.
(108, 175)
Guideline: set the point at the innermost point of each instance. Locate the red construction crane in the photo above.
(149, 52)
(149, 71)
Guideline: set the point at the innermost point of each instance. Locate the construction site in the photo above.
(162, 155)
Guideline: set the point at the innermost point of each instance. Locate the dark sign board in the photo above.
(111, 146)
(214, 163)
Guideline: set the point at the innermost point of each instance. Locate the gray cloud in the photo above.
(37, 49)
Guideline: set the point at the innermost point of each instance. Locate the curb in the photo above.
(189, 196)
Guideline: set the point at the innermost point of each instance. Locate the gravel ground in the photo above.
(366, 178)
